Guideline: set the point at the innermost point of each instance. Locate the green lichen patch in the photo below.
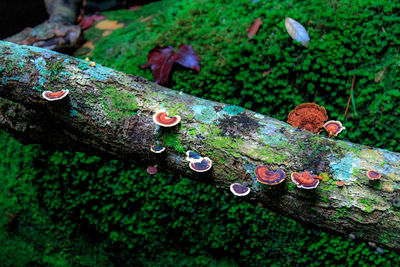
(119, 104)
(177, 109)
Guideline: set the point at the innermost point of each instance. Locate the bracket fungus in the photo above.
(334, 128)
(157, 148)
(193, 157)
(239, 190)
(305, 180)
(373, 175)
(269, 177)
(52, 96)
(308, 116)
(152, 170)
(204, 165)
(161, 118)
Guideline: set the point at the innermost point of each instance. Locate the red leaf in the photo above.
(188, 58)
(135, 7)
(254, 27)
(161, 59)
(87, 21)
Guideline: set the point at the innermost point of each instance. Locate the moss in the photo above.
(119, 104)
(341, 212)
(192, 132)
(172, 140)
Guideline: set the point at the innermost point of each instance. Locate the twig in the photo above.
(351, 92)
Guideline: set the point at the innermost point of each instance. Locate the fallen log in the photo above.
(111, 113)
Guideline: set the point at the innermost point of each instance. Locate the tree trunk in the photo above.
(109, 112)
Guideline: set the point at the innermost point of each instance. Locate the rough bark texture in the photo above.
(109, 112)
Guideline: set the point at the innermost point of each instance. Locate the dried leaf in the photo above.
(297, 31)
(161, 59)
(379, 76)
(255, 25)
(109, 25)
(87, 21)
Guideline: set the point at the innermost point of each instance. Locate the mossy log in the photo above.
(111, 113)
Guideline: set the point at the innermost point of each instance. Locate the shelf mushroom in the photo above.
(204, 165)
(334, 128)
(157, 149)
(52, 96)
(152, 170)
(373, 175)
(269, 177)
(239, 190)
(308, 116)
(193, 157)
(305, 180)
(161, 118)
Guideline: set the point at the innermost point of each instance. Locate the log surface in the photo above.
(110, 113)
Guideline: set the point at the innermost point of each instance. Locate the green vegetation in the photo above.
(119, 104)
(74, 209)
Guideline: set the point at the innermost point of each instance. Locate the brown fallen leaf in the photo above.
(380, 75)
(255, 25)
(109, 25)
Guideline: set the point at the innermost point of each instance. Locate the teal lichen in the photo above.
(83, 66)
(233, 110)
(98, 73)
(119, 104)
(205, 114)
(343, 170)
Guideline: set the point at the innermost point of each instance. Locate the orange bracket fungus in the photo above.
(334, 127)
(308, 116)
(161, 118)
(152, 170)
(269, 177)
(51, 96)
(204, 165)
(193, 157)
(373, 175)
(305, 180)
(339, 183)
(239, 190)
(157, 148)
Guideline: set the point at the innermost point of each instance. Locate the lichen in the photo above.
(205, 114)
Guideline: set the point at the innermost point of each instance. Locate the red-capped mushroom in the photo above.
(334, 128)
(52, 96)
(373, 175)
(152, 170)
(204, 165)
(269, 177)
(305, 180)
(239, 190)
(308, 116)
(161, 118)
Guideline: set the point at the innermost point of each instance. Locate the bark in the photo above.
(59, 32)
(110, 113)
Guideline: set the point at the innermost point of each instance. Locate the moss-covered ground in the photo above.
(73, 209)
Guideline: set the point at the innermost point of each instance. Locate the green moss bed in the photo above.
(62, 208)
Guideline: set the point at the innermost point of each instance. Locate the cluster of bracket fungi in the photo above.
(312, 117)
(307, 116)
